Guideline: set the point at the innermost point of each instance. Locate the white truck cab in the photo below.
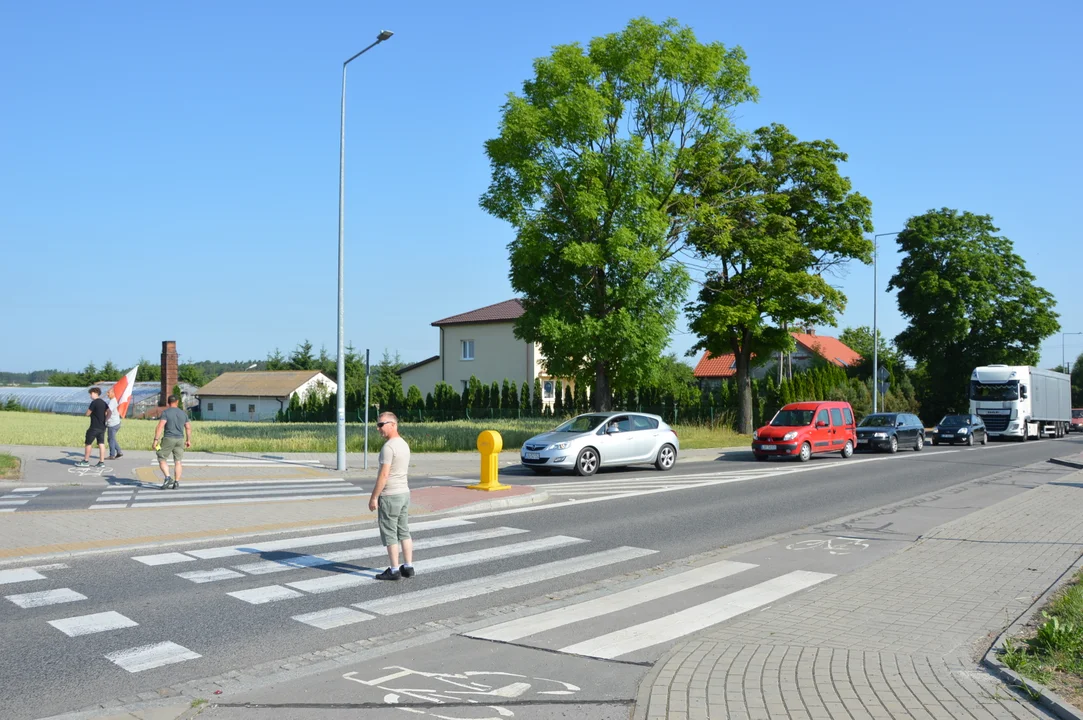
(1020, 402)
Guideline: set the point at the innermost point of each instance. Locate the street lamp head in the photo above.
(384, 35)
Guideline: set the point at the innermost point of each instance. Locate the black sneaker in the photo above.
(389, 574)
(168, 483)
(82, 463)
(175, 485)
(111, 457)
(407, 571)
(119, 455)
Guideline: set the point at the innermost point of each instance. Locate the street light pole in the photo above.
(341, 394)
(1062, 359)
(875, 331)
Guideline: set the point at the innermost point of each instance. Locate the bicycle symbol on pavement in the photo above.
(834, 546)
(94, 470)
(465, 692)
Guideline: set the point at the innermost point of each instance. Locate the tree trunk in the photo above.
(601, 400)
(744, 393)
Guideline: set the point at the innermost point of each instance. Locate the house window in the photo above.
(468, 349)
(233, 407)
(251, 408)
(210, 407)
(548, 389)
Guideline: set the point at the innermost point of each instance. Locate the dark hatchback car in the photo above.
(890, 431)
(965, 429)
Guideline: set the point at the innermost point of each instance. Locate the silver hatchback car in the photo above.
(588, 442)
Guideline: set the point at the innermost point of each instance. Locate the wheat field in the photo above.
(22, 428)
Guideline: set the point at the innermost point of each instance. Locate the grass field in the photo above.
(17, 428)
(9, 467)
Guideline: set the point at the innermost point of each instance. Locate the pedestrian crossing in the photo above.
(240, 461)
(15, 499)
(129, 497)
(132, 659)
(325, 582)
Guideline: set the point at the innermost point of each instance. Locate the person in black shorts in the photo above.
(98, 412)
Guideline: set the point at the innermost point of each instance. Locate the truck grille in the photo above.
(995, 423)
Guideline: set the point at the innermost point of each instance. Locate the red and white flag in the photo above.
(123, 391)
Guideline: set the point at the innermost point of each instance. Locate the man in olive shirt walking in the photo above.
(391, 499)
(171, 437)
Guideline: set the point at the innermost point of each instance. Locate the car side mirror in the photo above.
(611, 430)
(821, 424)
(1023, 391)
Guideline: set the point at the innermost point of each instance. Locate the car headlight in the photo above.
(879, 435)
(755, 434)
(790, 435)
(962, 431)
(558, 446)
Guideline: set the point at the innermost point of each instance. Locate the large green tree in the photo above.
(859, 340)
(591, 168)
(776, 219)
(969, 300)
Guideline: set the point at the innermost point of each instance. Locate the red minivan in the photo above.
(804, 429)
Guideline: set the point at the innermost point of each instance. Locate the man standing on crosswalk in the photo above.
(391, 499)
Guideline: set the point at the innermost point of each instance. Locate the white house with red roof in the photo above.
(711, 370)
(481, 343)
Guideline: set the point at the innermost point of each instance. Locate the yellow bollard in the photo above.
(489, 445)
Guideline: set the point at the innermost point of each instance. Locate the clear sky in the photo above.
(170, 170)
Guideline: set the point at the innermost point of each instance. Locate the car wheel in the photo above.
(970, 440)
(759, 456)
(849, 449)
(935, 442)
(920, 443)
(806, 452)
(985, 438)
(894, 445)
(667, 457)
(587, 462)
(541, 471)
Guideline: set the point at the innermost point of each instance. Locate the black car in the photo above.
(965, 429)
(890, 431)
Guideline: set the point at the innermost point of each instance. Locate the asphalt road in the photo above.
(658, 518)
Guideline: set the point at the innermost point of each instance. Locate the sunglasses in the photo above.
(385, 422)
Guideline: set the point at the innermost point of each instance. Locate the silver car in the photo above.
(588, 442)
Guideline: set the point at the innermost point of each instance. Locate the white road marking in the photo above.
(7, 509)
(182, 495)
(272, 566)
(146, 657)
(257, 483)
(355, 578)
(313, 540)
(54, 566)
(46, 597)
(90, 624)
(501, 581)
(29, 490)
(206, 576)
(656, 590)
(137, 503)
(14, 502)
(266, 594)
(168, 558)
(333, 618)
(696, 618)
(21, 575)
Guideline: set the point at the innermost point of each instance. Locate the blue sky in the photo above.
(170, 170)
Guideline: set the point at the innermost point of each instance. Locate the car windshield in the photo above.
(878, 421)
(955, 421)
(994, 391)
(1077, 413)
(582, 424)
(793, 418)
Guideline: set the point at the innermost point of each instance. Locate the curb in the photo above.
(1067, 463)
(480, 506)
(1045, 697)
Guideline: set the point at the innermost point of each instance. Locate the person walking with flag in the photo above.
(112, 425)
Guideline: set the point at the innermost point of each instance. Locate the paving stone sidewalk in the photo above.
(901, 638)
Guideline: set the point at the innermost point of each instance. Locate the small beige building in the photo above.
(481, 343)
(256, 396)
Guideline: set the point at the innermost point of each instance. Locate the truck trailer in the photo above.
(1019, 402)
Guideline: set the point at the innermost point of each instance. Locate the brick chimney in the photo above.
(169, 369)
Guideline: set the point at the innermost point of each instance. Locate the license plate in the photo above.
(531, 456)
(862, 441)
(768, 447)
